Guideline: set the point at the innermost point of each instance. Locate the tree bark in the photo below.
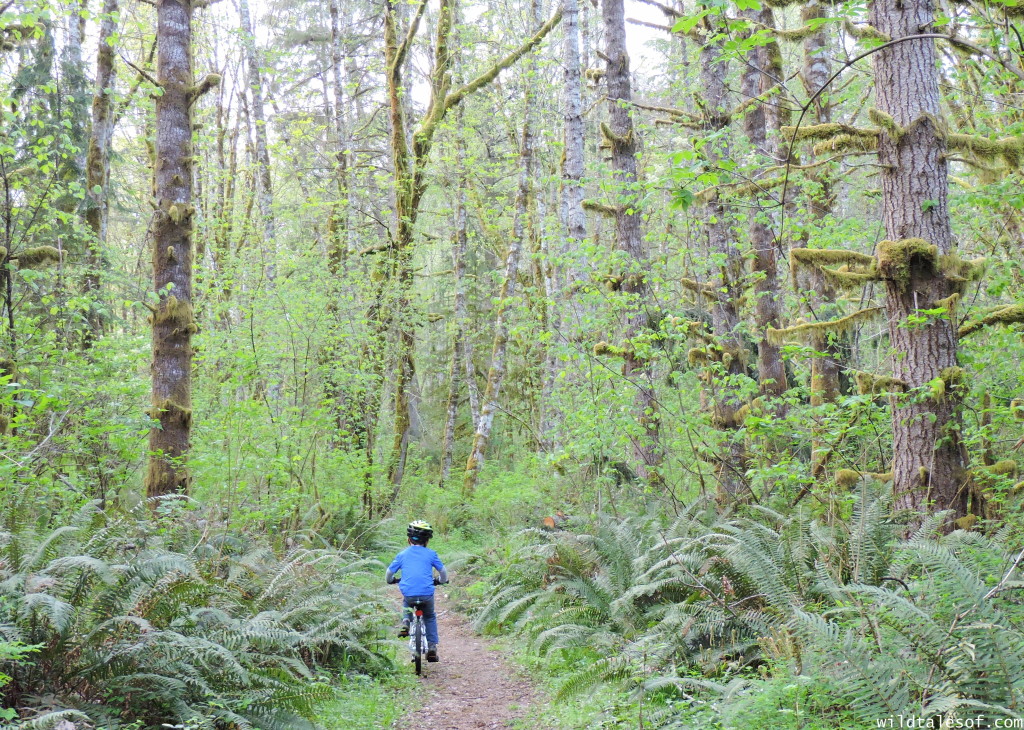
(828, 360)
(171, 232)
(760, 76)
(727, 280)
(629, 239)
(928, 455)
(97, 165)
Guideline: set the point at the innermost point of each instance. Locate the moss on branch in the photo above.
(863, 31)
(872, 384)
(835, 326)
(609, 211)
(1009, 149)
(829, 130)
(38, 257)
(896, 259)
(1005, 314)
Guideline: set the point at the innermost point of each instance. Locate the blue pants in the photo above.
(429, 617)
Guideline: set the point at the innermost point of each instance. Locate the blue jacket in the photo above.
(417, 564)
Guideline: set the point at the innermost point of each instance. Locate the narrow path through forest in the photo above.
(472, 687)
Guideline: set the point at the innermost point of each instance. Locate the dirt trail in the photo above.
(472, 687)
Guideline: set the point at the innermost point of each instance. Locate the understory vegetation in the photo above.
(135, 620)
(720, 620)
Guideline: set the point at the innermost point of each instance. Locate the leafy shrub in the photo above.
(150, 621)
(763, 610)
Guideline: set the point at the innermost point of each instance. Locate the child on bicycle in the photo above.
(417, 563)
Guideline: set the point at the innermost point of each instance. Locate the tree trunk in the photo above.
(928, 455)
(828, 361)
(759, 78)
(496, 374)
(622, 139)
(265, 194)
(171, 231)
(339, 225)
(97, 165)
(727, 280)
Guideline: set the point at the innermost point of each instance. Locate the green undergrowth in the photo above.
(160, 616)
(365, 703)
(729, 621)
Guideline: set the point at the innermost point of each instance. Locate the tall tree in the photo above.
(928, 454)
(409, 165)
(97, 161)
(724, 289)
(171, 234)
(499, 355)
(265, 193)
(761, 79)
(620, 135)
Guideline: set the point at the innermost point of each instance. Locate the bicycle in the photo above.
(417, 631)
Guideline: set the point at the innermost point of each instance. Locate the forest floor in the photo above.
(472, 687)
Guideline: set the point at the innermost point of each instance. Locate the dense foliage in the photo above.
(738, 284)
(131, 621)
(725, 618)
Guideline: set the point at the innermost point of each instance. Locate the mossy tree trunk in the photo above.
(171, 232)
(621, 136)
(409, 177)
(499, 349)
(97, 164)
(928, 455)
(828, 361)
(727, 280)
(761, 75)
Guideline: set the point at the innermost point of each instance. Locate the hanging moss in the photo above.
(209, 81)
(835, 326)
(796, 34)
(1009, 149)
(169, 412)
(1004, 468)
(847, 143)
(954, 266)
(1017, 408)
(951, 380)
(174, 311)
(702, 288)
(829, 130)
(3, 253)
(871, 384)
(863, 31)
(35, 258)
(754, 408)
(847, 478)
(593, 206)
(1007, 314)
(856, 269)
(886, 122)
(846, 278)
(604, 348)
(948, 303)
(614, 140)
(895, 258)
(818, 257)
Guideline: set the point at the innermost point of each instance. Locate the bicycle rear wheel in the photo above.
(418, 643)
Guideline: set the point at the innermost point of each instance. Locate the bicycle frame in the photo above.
(417, 636)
